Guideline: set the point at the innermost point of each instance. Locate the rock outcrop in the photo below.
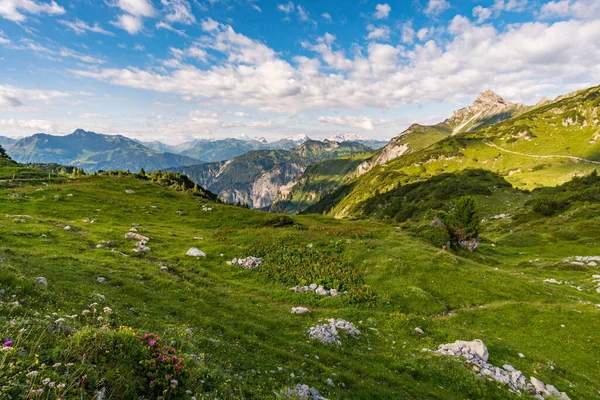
(476, 353)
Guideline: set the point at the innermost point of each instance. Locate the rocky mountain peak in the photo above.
(490, 98)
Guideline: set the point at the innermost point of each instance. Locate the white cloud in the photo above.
(580, 9)
(14, 10)
(12, 96)
(302, 14)
(286, 8)
(56, 53)
(209, 25)
(256, 7)
(360, 122)
(436, 7)
(139, 8)
(382, 11)
(378, 32)
(130, 23)
(408, 33)
(327, 16)
(517, 62)
(164, 25)
(134, 11)
(239, 114)
(482, 14)
(138, 47)
(3, 39)
(178, 11)
(80, 27)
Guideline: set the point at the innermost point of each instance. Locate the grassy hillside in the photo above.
(233, 328)
(545, 146)
(318, 180)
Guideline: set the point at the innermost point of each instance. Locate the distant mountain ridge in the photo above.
(92, 152)
(257, 177)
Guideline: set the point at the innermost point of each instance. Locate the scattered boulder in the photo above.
(419, 331)
(328, 333)
(42, 281)
(194, 252)
(67, 228)
(133, 235)
(129, 191)
(102, 279)
(247, 263)
(318, 289)
(164, 268)
(303, 392)
(476, 354)
(300, 310)
(321, 291)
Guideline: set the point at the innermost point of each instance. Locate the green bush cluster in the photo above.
(303, 265)
(279, 221)
(549, 201)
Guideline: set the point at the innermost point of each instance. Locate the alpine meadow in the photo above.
(253, 199)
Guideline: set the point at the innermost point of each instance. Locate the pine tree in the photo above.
(466, 217)
(3, 153)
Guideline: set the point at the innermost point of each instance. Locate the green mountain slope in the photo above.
(94, 152)
(317, 181)
(541, 146)
(255, 178)
(233, 328)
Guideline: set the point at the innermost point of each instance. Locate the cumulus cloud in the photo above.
(179, 11)
(482, 14)
(518, 62)
(130, 23)
(14, 10)
(327, 17)
(134, 10)
(139, 8)
(239, 114)
(408, 33)
(580, 9)
(382, 11)
(360, 122)
(80, 27)
(378, 32)
(436, 7)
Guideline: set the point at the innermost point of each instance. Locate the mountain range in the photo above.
(257, 177)
(94, 152)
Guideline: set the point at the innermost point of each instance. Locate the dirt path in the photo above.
(549, 156)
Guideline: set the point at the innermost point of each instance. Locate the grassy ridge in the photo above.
(545, 146)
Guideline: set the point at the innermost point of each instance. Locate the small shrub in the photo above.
(547, 205)
(279, 222)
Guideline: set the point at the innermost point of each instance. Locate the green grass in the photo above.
(234, 327)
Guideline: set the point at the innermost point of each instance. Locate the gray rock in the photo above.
(300, 310)
(164, 268)
(538, 385)
(321, 291)
(419, 331)
(248, 262)
(509, 368)
(194, 252)
(334, 293)
(42, 281)
(553, 391)
(101, 279)
(313, 286)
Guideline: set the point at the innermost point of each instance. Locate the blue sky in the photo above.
(173, 70)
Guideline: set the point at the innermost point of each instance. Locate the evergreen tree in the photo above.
(3, 153)
(466, 217)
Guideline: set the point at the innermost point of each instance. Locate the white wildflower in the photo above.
(107, 310)
(59, 321)
(84, 312)
(32, 373)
